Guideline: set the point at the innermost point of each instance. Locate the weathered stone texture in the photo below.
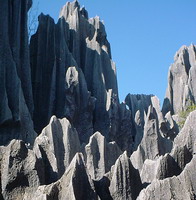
(181, 89)
(16, 101)
(74, 58)
(67, 92)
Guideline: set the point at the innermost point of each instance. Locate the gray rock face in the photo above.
(21, 171)
(173, 163)
(81, 76)
(68, 90)
(66, 95)
(79, 104)
(138, 105)
(161, 168)
(153, 144)
(185, 143)
(125, 181)
(100, 155)
(16, 102)
(74, 184)
(123, 132)
(57, 144)
(167, 167)
(187, 136)
(180, 187)
(181, 89)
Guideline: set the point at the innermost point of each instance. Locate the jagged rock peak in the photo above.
(77, 19)
(173, 163)
(177, 187)
(100, 155)
(182, 53)
(57, 144)
(70, 7)
(181, 91)
(66, 95)
(186, 137)
(139, 105)
(70, 74)
(153, 144)
(81, 74)
(125, 182)
(74, 184)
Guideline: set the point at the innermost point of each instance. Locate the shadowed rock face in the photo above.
(138, 105)
(16, 102)
(139, 108)
(68, 89)
(152, 144)
(65, 94)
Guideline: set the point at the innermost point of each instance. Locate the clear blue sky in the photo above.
(144, 36)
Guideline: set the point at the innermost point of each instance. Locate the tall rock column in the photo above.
(59, 85)
(73, 76)
(91, 50)
(16, 102)
(181, 89)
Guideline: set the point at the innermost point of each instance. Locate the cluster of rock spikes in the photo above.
(64, 135)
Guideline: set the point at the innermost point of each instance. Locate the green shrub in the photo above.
(184, 114)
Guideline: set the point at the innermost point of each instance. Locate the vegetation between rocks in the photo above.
(185, 113)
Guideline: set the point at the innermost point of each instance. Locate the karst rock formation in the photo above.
(64, 134)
